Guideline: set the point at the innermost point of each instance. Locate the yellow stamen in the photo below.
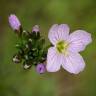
(62, 47)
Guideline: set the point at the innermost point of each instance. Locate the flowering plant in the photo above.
(31, 46)
(64, 50)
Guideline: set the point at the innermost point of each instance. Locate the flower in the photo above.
(66, 48)
(35, 28)
(14, 22)
(40, 68)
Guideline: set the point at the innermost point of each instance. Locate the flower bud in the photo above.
(35, 28)
(25, 33)
(26, 65)
(36, 32)
(14, 22)
(16, 59)
(40, 68)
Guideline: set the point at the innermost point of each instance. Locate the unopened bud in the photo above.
(14, 22)
(40, 68)
(36, 32)
(16, 59)
(26, 65)
(36, 29)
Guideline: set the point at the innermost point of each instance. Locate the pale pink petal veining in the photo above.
(63, 31)
(53, 60)
(79, 40)
(58, 32)
(74, 63)
(53, 36)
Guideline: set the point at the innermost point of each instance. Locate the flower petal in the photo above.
(78, 40)
(53, 60)
(63, 31)
(58, 32)
(74, 63)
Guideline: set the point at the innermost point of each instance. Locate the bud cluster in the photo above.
(32, 49)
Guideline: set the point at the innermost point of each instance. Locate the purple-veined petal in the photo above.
(74, 63)
(63, 31)
(52, 34)
(78, 40)
(53, 60)
(58, 32)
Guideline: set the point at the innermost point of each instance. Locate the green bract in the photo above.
(32, 49)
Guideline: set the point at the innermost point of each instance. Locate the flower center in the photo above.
(62, 47)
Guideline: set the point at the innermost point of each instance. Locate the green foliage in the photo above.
(31, 49)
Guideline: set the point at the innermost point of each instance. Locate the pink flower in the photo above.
(65, 51)
(14, 22)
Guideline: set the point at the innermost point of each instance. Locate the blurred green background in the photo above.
(14, 81)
